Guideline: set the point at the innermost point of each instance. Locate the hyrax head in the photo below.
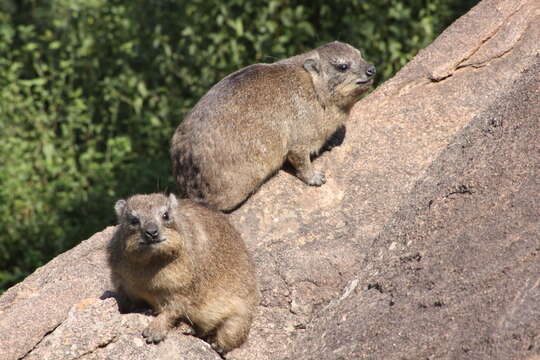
(148, 223)
(341, 68)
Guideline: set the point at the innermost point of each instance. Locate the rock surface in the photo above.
(424, 242)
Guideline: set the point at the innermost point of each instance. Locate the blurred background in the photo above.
(92, 90)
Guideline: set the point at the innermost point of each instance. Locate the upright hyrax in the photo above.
(253, 120)
(187, 262)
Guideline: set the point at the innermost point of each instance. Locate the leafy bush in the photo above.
(91, 92)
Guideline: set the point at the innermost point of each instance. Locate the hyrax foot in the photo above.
(186, 329)
(302, 163)
(231, 334)
(312, 178)
(317, 179)
(155, 332)
(218, 349)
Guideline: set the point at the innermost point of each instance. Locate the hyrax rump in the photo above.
(253, 120)
(188, 263)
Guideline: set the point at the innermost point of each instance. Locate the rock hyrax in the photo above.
(250, 122)
(187, 262)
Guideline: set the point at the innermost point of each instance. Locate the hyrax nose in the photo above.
(371, 70)
(151, 231)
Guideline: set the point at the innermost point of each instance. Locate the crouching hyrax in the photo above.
(188, 263)
(253, 120)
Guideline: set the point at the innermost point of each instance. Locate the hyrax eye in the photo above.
(342, 67)
(133, 220)
(165, 216)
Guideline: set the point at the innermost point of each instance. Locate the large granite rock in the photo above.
(424, 243)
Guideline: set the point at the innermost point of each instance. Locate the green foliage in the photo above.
(91, 92)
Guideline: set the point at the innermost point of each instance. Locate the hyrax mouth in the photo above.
(364, 81)
(149, 242)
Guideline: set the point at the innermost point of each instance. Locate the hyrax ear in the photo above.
(172, 201)
(119, 207)
(313, 64)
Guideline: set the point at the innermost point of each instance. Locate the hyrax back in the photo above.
(187, 262)
(249, 123)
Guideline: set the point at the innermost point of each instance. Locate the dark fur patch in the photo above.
(188, 174)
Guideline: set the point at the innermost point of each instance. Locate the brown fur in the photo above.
(194, 266)
(249, 123)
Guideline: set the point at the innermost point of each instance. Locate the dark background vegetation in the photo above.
(92, 90)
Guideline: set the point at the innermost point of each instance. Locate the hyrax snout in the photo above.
(255, 119)
(188, 263)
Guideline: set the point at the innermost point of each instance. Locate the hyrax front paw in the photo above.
(217, 348)
(186, 329)
(317, 179)
(154, 333)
